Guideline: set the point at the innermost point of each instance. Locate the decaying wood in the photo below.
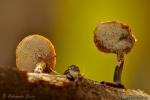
(71, 86)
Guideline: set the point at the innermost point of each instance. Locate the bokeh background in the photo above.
(69, 24)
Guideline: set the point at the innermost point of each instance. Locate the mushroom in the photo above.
(114, 37)
(35, 53)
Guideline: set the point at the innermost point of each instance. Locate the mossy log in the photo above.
(70, 86)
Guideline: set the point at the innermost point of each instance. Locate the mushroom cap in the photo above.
(32, 50)
(113, 37)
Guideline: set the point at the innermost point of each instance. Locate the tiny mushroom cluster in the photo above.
(36, 54)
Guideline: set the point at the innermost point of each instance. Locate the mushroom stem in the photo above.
(119, 68)
(40, 66)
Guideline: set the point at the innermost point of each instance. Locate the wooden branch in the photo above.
(70, 86)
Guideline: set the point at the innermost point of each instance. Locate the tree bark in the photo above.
(70, 86)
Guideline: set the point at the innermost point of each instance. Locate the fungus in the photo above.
(35, 53)
(114, 37)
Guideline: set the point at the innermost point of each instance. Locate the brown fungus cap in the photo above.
(113, 37)
(34, 49)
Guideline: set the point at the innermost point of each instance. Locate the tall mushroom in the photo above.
(114, 37)
(35, 53)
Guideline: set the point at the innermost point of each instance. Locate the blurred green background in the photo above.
(69, 24)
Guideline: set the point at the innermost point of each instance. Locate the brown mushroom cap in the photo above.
(113, 37)
(33, 49)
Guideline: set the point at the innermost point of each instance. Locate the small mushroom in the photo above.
(114, 37)
(35, 53)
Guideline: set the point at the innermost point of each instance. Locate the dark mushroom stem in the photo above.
(119, 68)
